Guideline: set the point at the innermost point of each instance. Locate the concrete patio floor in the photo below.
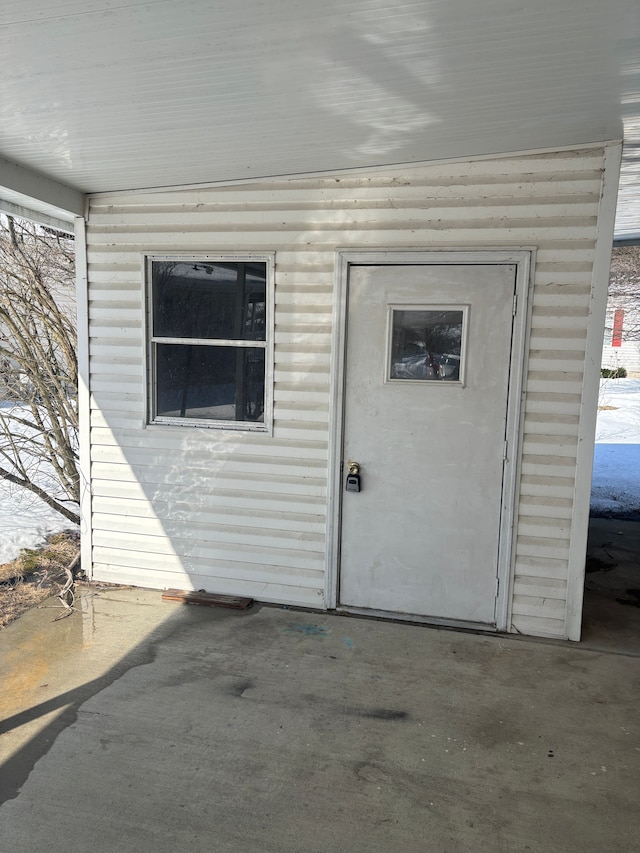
(138, 725)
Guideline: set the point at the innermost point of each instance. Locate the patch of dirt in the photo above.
(36, 574)
(608, 408)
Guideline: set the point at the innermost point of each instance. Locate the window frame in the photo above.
(151, 416)
(461, 307)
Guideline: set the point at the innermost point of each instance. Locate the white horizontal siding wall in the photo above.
(627, 355)
(246, 513)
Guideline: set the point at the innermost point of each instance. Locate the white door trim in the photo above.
(523, 260)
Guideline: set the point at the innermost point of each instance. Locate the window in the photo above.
(426, 344)
(210, 341)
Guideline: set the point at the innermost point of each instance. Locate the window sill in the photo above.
(224, 426)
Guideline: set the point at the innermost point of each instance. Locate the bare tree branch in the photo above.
(38, 364)
(624, 288)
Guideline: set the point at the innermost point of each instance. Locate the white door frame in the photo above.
(523, 260)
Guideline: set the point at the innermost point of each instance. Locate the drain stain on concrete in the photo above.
(306, 629)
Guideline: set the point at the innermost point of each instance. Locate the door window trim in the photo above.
(461, 307)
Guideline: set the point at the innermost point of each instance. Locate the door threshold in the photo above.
(436, 621)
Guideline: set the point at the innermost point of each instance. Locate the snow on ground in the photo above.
(615, 489)
(25, 520)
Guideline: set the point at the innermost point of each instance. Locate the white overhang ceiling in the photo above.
(101, 95)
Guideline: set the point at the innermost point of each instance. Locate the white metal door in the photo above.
(426, 393)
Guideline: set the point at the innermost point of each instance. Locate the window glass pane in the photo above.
(220, 299)
(426, 344)
(215, 383)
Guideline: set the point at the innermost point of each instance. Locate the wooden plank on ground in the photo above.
(211, 599)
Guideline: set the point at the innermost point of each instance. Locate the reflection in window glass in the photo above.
(426, 344)
(217, 299)
(211, 383)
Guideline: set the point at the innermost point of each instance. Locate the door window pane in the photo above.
(426, 344)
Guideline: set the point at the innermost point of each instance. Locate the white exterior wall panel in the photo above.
(246, 513)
